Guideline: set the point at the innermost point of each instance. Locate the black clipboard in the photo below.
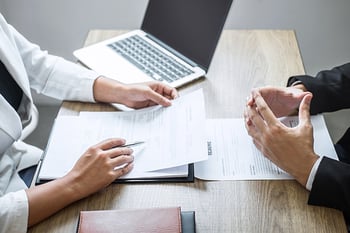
(188, 178)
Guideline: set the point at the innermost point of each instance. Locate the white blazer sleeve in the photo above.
(54, 76)
(14, 212)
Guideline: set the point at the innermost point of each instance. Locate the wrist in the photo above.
(304, 173)
(73, 185)
(107, 90)
(312, 174)
(299, 85)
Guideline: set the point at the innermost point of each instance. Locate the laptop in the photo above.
(175, 44)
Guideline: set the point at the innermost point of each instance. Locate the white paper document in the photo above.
(233, 156)
(174, 137)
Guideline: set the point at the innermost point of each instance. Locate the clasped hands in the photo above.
(291, 149)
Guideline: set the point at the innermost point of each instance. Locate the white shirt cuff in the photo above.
(296, 83)
(311, 178)
(14, 212)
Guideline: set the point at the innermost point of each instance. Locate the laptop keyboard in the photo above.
(149, 59)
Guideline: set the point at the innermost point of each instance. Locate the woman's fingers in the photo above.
(110, 143)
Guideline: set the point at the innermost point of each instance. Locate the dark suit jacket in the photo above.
(331, 92)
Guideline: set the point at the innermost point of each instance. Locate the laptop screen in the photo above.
(191, 27)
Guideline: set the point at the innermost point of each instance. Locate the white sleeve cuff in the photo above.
(296, 83)
(14, 212)
(69, 81)
(311, 178)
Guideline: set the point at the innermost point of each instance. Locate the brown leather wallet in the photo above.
(162, 220)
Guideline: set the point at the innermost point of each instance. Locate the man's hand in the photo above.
(291, 149)
(282, 101)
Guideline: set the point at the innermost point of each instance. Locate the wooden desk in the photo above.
(243, 59)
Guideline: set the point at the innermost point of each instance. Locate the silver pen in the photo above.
(131, 144)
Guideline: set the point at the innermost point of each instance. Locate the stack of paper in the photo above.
(174, 138)
(233, 155)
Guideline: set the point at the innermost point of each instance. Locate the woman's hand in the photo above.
(100, 165)
(133, 95)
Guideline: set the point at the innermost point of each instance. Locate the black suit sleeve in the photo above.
(331, 92)
(330, 89)
(331, 186)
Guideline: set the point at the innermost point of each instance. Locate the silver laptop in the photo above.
(175, 44)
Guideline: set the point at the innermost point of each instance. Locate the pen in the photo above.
(136, 143)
